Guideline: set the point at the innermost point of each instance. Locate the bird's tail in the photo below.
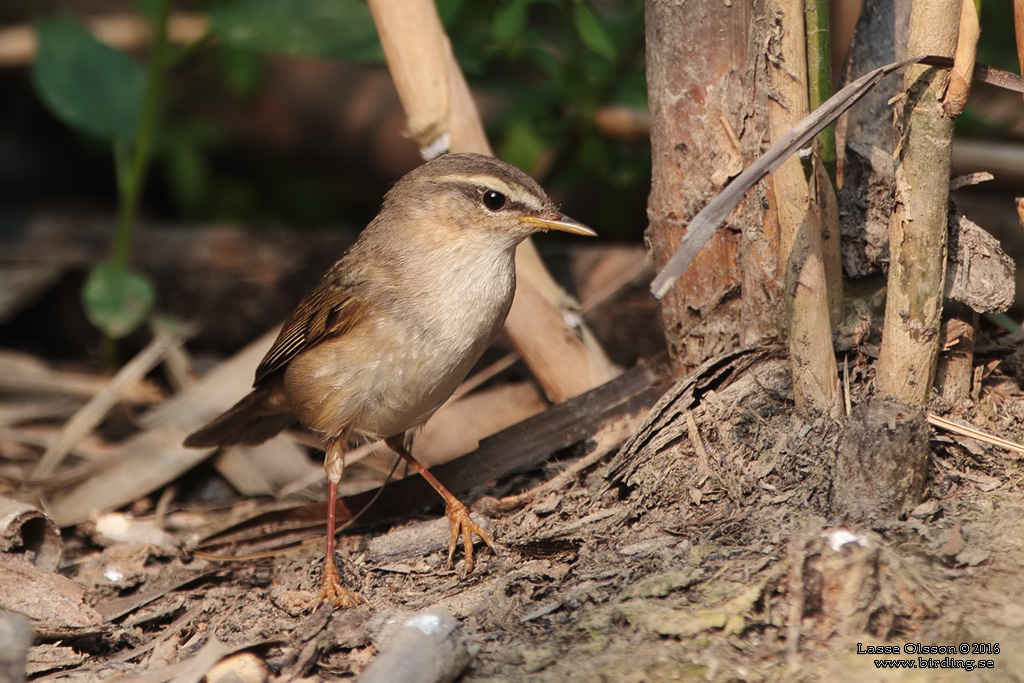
(250, 421)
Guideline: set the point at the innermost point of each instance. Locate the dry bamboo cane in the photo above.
(441, 116)
(917, 228)
(800, 220)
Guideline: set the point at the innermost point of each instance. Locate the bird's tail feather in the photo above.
(247, 422)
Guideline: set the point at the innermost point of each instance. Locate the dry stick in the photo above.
(97, 408)
(24, 374)
(847, 402)
(917, 227)
(413, 41)
(800, 220)
(1018, 25)
(608, 439)
(974, 433)
(430, 647)
(566, 362)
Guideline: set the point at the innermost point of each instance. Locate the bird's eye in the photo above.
(494, 200)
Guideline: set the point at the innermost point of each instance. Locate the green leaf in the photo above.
(592, 32)
(117, 299)
(87, 84)
(340, 29)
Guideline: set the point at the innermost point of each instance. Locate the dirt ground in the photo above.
(707, 548)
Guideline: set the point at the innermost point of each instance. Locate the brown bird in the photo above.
(393, 328)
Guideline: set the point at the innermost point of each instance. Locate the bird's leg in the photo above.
(456, 512)
(331, 589)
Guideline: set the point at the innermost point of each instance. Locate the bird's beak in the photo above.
(557, 221)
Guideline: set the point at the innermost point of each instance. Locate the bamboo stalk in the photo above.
(955, 370)
(800, 220)
(819, 88)
(917, 228)
(565, 361)
(819, 72)
(414, 45)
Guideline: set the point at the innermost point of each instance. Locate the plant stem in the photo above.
(819, 75)
(130, 178)
(917, 227)
(819, 89)
(798, 204)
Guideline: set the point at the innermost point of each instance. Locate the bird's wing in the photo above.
(328, 311)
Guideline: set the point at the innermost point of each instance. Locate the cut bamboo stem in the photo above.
(565, 359)
(800, 220)
(917, 228)
(819, 89)
(955, 370)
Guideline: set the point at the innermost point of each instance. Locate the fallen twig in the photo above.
(975, 433)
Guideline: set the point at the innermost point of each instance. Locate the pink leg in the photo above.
(331, 589)
(455, 511)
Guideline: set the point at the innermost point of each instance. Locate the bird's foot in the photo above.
(333, 592)
(461, 523)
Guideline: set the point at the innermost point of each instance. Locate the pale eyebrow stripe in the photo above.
(476, 181)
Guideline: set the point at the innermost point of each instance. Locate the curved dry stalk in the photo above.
(442, 117)
(963, 61)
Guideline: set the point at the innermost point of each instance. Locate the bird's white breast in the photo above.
(412, 354)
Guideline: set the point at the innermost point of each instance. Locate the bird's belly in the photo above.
(378, 389)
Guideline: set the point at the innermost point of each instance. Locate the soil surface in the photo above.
(706, 547)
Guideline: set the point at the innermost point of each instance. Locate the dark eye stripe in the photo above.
(475, 193)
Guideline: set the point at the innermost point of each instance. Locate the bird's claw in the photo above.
(461, 523)
(333, 592)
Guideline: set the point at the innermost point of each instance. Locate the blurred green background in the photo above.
(282, 112)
